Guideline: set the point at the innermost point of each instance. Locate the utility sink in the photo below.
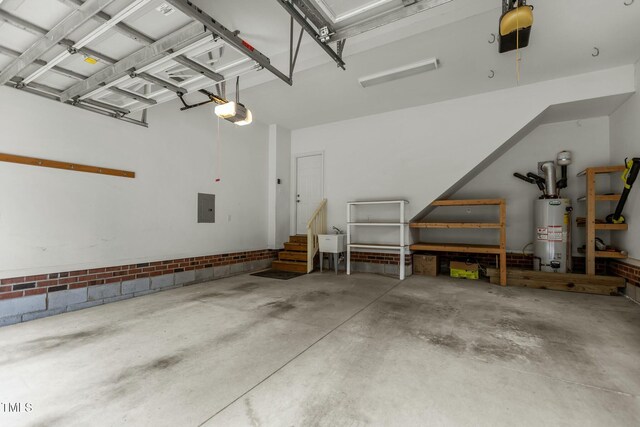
(332, 243)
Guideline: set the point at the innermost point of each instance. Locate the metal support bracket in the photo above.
(302, 21)
(340, 46)
(105, 106)
(293, 55)
(133, 95)
(213, 99)
(199, 68)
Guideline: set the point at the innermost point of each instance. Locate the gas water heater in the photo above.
(552, 240)
(552, 217)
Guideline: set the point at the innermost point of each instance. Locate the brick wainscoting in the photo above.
(631, 273)
(380, 263)
(31, 297)
(387, 263)
(515, 260)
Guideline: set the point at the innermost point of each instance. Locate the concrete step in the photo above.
(296, 267)
(292, 256)
(296, 247)
(299, 238)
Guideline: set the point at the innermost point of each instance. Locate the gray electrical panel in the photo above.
(206, 208)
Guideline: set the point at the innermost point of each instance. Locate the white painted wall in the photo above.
(588, 141)
(625, 142)
(54, 220)
(279, 194)
(418, 153)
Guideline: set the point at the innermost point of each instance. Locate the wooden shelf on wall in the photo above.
(468, 202)
(500, 250)
(374, 246)
(455, 225)
(601, 226)
(602, 169)
(610, 254)
(602, 198)
(75, 167)
(591, 223)
(605, 254)
(456, 247)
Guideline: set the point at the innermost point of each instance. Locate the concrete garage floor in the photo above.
(330, 350)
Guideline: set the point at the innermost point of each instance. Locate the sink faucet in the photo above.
(337, 230)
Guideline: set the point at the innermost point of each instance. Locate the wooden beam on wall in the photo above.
(33, 161)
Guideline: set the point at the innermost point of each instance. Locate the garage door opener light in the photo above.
(235, 112)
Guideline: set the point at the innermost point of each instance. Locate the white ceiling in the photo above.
(562, 41)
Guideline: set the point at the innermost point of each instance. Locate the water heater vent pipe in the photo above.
(549, 169)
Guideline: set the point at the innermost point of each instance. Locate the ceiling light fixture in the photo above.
(127, 11)
(235, 112)
(399, 73)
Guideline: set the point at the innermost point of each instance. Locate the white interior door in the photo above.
(308, 189)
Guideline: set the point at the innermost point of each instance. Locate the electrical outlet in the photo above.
(228, 218)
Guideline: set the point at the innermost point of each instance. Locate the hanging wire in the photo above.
(218, 171)
(238, 90)
(517, 43)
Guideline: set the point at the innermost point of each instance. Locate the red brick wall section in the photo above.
(379, 258)
(630, 272)
(16, 287)
(580, 265)
(514, 260)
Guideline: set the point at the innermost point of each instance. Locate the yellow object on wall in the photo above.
(516, 19)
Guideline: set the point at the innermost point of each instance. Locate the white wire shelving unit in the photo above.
(401, 224)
